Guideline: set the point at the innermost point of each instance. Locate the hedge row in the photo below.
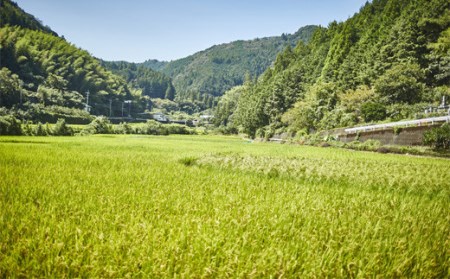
(9, 125)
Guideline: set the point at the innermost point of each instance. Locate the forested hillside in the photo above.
(43, 77)
(153, 84)
(154, 64)
(387, 62)
(213, 71)
(11, 14)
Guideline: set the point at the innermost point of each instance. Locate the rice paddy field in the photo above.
(218, 207)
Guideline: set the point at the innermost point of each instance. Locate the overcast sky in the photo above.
(137, 30)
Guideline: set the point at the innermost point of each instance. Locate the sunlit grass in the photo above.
(200, 206)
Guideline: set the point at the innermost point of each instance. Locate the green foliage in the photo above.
(154, 64)
(373, 112)
(123, 128)
(153, 127)
(439, 137)
(249, 114)
(397, 112)
(301, 117)
(352, 99)
(177, 129)
(166, 105)
(401, 84)
(51, 114)
(170, 93)
(100, 125)
(61, 129)
(9, 125)
(223, 114)
(40, 130)
(10, 88)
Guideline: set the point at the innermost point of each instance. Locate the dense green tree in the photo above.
(249, 114)
(401, 84)
(10, 88)
(301, 117)
(373, 111)
(170, 93)
(223, 114)
(352, 99)
(439, 137)
(439, 66)
(9, 125)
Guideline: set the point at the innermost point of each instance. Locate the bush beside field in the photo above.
(436, 141)
(9, 125)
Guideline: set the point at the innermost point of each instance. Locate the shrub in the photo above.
(40, 130)
(438, 138)
(260, 133)
(100, 125)
(123, 128)
(371, 144)
(397, 130)
(177, 129)
(153, 127)
(373, 112)
(61, 129)
(368, 145)
(27, 129)
(227, 130)
(9, 125)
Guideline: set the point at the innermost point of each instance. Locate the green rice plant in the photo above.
(127, 206)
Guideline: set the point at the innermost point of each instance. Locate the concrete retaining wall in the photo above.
(404, 136)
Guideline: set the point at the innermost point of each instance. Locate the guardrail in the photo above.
(418, 122)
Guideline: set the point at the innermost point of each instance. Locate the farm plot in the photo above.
(201, 206)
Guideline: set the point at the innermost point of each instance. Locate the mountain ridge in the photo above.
(218, 68)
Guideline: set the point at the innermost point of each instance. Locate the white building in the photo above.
(159, 116)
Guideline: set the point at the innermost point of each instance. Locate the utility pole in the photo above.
(122, 108)
(87, 102)
(129, 107)
(110, 107)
